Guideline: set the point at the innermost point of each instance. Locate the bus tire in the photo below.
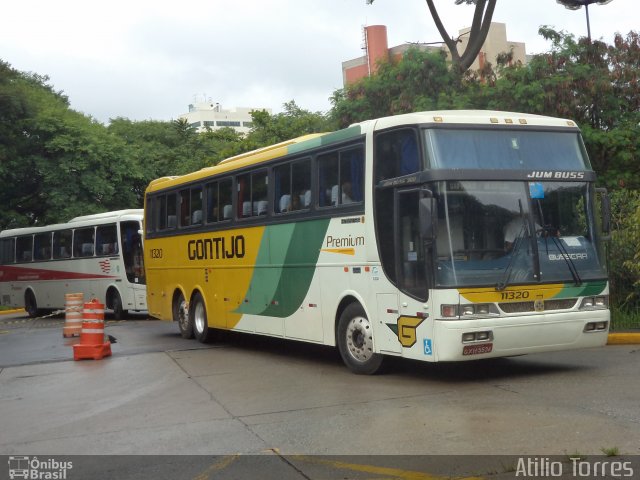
(182, 317)
(355, 341)
(115, 304)
(198, 317)
(30, 304)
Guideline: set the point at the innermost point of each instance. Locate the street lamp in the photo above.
(576, 4)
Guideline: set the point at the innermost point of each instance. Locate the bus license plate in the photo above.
(477, 349)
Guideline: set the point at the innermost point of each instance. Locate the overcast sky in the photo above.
(144, 59)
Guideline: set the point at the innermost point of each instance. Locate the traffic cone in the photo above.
(92, 342)
(73, 314)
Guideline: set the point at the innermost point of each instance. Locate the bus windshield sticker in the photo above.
(536, 190)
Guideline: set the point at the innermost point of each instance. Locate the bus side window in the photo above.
(396, 154)
(196, 206)
(24, 249)
(171, 211)
(83, 242)
(62, 244)
(7, 250)
(225, 198)
(328, 178)
(107, 240)
(42, 246)
(185, 208)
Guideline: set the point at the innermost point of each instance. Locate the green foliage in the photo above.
(420, 80)
(55, 162)
(624, 249)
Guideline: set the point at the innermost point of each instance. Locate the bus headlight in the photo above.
(592, 303)
(468, 310)
(449, 311)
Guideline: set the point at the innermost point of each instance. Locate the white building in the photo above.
(208, 114)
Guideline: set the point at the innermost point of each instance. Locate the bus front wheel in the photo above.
(30, 304)
(198, 316)
(181, 315)
(355, 341)
(115, 304)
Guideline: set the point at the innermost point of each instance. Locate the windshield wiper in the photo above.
(549, 231)
(565, 254)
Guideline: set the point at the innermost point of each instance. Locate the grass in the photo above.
(2, 307)
(611, 452)
(624, 319)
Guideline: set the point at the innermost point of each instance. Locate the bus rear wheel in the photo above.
(355, 341)
(30, 304)
(198, 317)
(182, 317)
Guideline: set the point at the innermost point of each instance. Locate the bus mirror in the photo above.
(427, 212)
(605, 208)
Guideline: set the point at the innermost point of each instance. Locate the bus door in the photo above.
(133, 259)
(410, 255)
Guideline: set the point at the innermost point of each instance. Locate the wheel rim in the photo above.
(199, 317)
(183, 314)
(359, 338)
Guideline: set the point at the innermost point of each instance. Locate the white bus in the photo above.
(98, 255)
(436, 236)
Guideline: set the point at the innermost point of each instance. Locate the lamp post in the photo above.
(577, 4)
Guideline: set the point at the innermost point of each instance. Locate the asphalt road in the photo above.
(292, 410)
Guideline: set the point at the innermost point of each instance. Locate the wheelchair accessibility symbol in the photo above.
(428, 349)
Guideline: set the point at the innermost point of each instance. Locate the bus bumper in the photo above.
(510, 336)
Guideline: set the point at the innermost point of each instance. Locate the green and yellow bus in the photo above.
(436, 236)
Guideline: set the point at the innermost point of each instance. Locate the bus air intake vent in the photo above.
(521, 307)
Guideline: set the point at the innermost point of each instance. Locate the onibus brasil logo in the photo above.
(36, 469)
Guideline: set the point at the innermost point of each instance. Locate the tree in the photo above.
(477, 35)
(593, 83)
(55, 163)
(420, 80)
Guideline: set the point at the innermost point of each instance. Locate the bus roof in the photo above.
(306, 142)
(474, 117)
(97, 218)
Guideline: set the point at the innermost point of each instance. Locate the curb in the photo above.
(7, 312)
(624, 339)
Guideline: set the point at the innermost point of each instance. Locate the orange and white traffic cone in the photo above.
(73, 314)
(92, 342)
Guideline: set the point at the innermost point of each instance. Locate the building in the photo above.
(376, 49)
(206, 114)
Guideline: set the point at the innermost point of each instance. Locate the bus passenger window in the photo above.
(212, 202)
(24, 249)
(244, 195)
(171, 211)
(7, 249)
(259, 193)
(196, 206)
(83, 240)
(396, 154)
(62, 244)
(185, 208)
(225, 199)
(328, 173)
(42, 246)
(107, 240)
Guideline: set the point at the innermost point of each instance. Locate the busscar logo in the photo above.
(38, 469)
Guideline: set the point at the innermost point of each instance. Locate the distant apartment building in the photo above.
(205, 114)
(376, 49)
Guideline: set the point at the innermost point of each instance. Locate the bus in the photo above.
(435, 236)
(97, 255)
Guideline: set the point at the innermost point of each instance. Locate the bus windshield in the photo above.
(506, 149)
(493, 233)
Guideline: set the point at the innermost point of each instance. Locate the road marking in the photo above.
(394, 473)
(217, 467)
